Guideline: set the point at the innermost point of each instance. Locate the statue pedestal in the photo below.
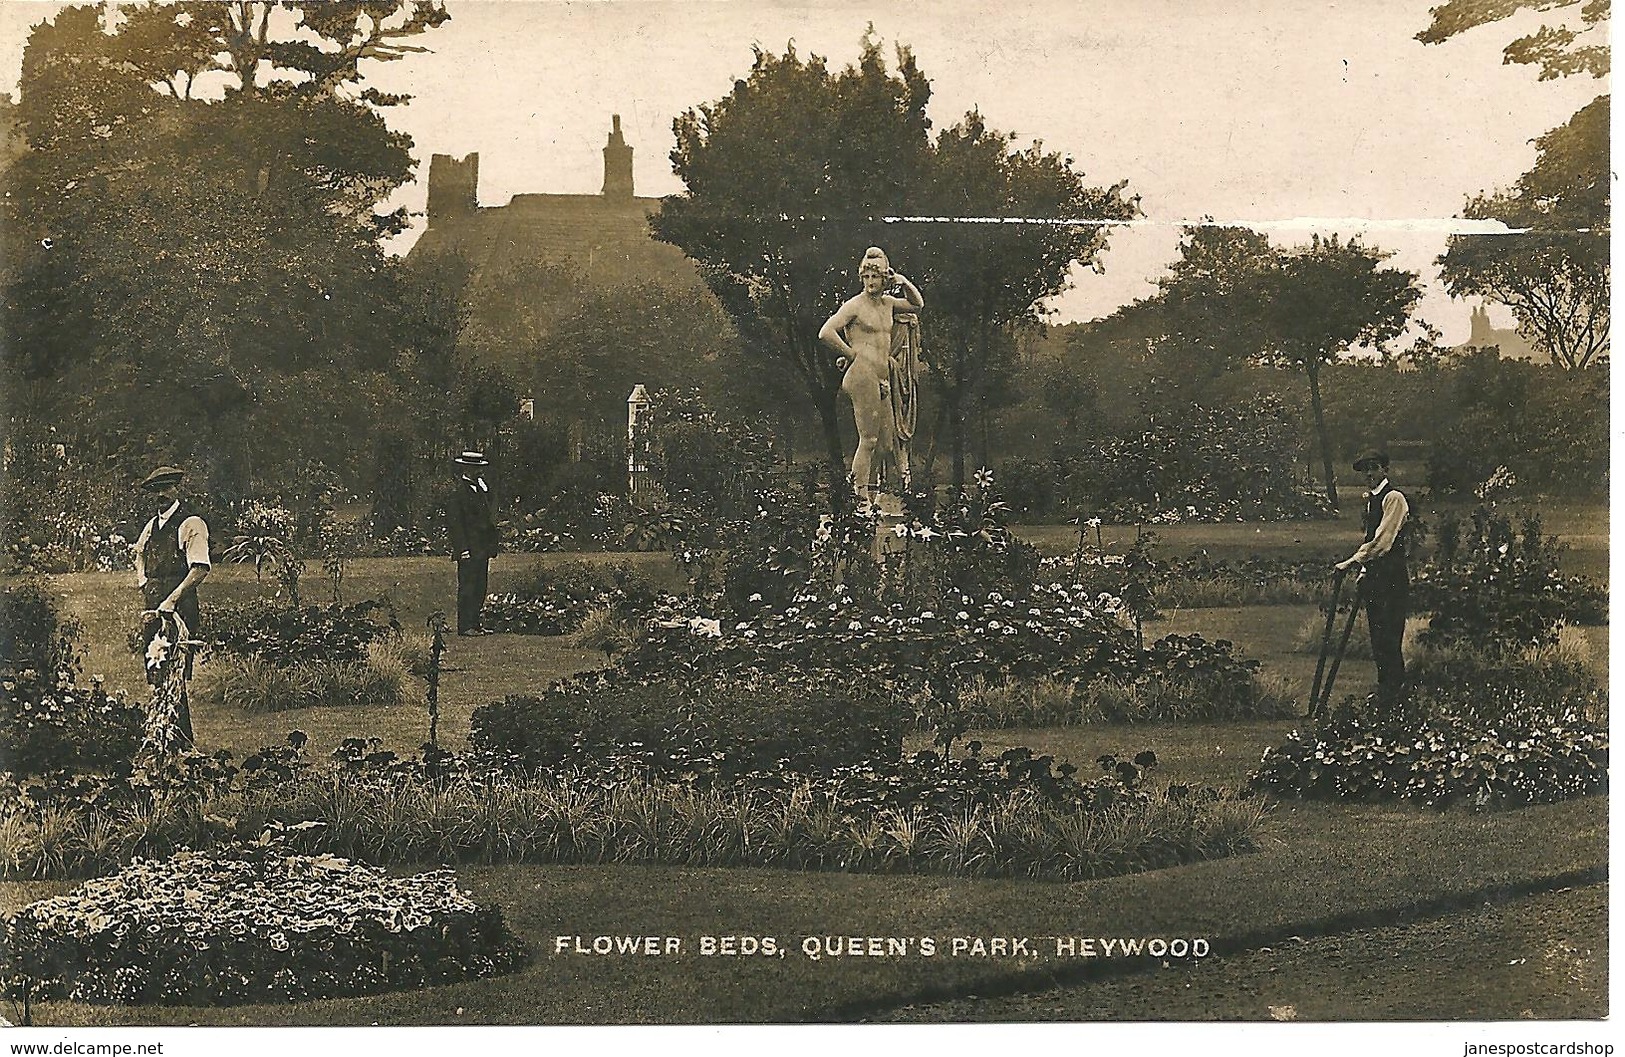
(889, 516)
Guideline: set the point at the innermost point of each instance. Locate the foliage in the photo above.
(251, 683)
(804, 721)
(1546, 425)
(47, 724)
(786, 178)
(557, 599)
(988, 279)
(1492, 586)
(252, 923)
(1486, 729)
(1557, 50)
(1235, 463)
(1012, 815)
(1440, 763)
(34, 633)
(1553, 269)
(186, 272)
(287, 636)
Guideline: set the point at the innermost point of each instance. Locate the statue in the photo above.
(877, 334)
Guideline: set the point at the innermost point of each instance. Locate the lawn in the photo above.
(1303, 923)
(1328, 870)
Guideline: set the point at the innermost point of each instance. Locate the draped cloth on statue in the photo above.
(905, 399)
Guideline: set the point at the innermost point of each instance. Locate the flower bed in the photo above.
(749, 720)
(1055, 635)
(252, 923)
(557, 600)
(287, 635)
(46, 724)
(1439, 764)
(1016, 814)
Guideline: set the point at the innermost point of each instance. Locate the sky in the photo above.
(1294, 116)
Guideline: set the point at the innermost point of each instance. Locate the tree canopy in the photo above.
(1552, 270)
(792, 174)
(1558, 50)
(174, 259)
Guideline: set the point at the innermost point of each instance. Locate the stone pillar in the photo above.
(637, 439)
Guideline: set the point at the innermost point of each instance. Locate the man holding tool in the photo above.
(1384, 581)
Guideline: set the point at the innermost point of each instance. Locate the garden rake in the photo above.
(1320, 693)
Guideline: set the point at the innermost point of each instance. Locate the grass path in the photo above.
(1540, 957)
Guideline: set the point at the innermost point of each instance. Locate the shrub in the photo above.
(1221, 464)
(252, 923)
(1439, 763)
(556, 600)
(33, 634)
(801, 721)
(286, 636)
(1491, 586)
(252, 684)
(46, 724)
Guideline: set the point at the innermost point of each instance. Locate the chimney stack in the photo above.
(617, 163)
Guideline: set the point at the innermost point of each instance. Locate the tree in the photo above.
(1552, 270)
(788, 178)
(1319, 300)
(986, 279)
(1208, 310)
(176, 266)
(1559, 51)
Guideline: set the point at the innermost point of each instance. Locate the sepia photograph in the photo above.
(547, 513)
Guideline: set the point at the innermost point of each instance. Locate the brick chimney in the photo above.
(617, 163)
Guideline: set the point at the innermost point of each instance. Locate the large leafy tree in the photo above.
(1552, 270)
(174, 257)
(1021, 220)
(788, 178)
(1315, 302)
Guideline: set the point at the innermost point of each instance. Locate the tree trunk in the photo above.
(1320, 433)
(956, 415)
(840, 496)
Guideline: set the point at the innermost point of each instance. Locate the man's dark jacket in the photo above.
(472, 521)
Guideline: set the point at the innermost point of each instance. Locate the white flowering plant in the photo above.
(251, 922)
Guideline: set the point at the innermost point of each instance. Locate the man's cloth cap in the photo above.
(1371, 458)
(471, 458)
(162, 476)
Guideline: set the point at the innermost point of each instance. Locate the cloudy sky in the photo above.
(1294, 115)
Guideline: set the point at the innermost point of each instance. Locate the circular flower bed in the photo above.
(251, 923)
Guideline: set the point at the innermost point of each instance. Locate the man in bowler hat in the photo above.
(473, 525)
(1383, 577)
(171, 559)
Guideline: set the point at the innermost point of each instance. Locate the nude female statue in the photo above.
(861, 331)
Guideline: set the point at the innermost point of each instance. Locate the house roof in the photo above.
(607, 237)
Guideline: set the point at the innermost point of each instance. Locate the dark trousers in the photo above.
(472, 575)
(1386, 607)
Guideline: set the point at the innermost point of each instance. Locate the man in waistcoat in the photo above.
(171, 559)
(472, 523)
(1384, 580)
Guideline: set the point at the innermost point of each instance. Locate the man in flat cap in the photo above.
(472, 523)
(171, 559)
(1385, 582)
